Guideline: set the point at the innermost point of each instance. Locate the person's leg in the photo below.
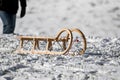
(9, 21)
(13, 22)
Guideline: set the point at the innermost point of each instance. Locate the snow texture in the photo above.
(99, 20)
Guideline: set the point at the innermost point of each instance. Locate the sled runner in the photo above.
(63, 43)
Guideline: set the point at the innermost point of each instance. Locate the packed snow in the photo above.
(99, 20)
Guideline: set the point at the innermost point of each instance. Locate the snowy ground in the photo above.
(99, 20)
(101, 61)
(93, 17)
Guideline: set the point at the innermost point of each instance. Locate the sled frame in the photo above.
(49, 40)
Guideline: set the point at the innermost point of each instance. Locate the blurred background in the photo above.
(92, 17)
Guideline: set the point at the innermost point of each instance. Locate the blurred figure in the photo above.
(8, 11)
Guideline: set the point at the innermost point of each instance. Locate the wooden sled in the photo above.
(64, 38)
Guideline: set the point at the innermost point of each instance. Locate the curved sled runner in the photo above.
(61, 44)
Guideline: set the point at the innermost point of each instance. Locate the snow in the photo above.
(97, 19)
(101, 61)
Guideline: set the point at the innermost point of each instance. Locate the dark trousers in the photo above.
(9, 21)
